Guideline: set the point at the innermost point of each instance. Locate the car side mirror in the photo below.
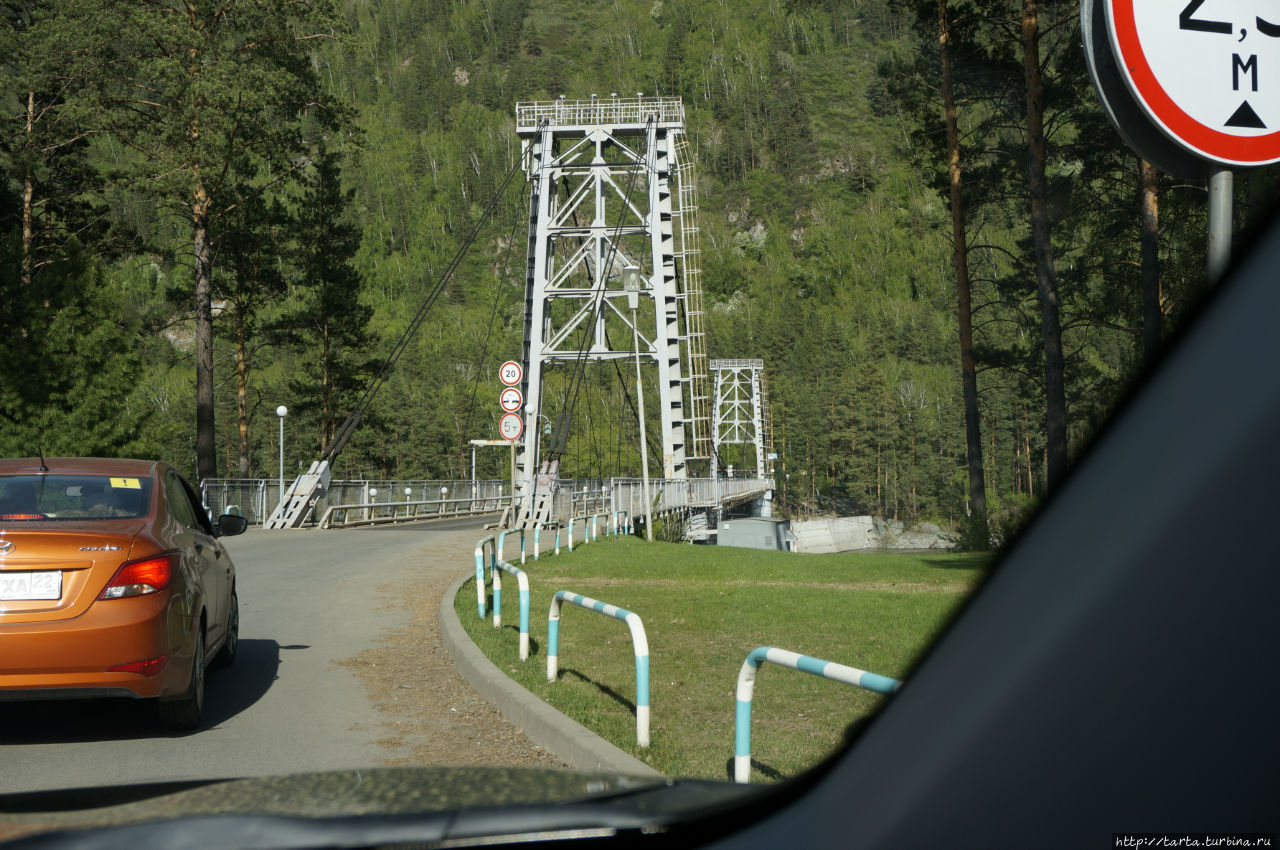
(229, 525)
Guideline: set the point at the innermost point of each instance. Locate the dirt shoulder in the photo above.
(430, 715)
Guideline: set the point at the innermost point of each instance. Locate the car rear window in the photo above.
(28, 498)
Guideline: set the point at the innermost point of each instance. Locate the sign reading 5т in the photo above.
(1206, 71)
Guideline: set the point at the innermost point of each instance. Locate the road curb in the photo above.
(567, 739)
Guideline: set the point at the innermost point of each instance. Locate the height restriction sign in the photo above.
(1207, 72)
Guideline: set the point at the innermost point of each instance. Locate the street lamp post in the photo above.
(631, 281)
(282, 411)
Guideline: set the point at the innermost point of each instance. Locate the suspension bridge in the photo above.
(612, 275)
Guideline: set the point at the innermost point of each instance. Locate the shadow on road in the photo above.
(227, 693)
(239, 686)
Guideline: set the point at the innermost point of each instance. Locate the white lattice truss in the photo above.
(741, 410)
(608, 193)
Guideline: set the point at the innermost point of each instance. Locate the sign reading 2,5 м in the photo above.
(1207, 72)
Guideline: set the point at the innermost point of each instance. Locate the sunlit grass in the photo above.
(704, 608)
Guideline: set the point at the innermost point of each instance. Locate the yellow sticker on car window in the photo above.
(125, 484)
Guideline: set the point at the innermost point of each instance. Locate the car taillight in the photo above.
(16, 517)
(146, 667)
(139, 578)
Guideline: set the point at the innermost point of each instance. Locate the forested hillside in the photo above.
(212, 209)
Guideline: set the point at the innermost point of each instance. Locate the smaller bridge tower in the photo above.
(741, 410)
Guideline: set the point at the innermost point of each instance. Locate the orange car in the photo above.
(112, 583)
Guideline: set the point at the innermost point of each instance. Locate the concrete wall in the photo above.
(857, 533)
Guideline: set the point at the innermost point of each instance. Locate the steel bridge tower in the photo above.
(741, 411)
(612, 208)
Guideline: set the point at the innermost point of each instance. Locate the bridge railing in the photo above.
(577, 498)
(376, 513)
(256, 498)
(612, 110)
(677, 494)
(414, 490)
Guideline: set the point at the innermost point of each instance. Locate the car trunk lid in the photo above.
(56, 574)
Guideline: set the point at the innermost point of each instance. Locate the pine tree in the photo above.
(327, 320)
(216, 103)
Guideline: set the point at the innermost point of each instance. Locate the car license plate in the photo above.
(20, 586)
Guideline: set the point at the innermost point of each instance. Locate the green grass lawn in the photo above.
(704, 608)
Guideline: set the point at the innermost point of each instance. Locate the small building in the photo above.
(756, 532)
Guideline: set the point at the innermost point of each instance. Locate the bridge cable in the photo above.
(484, 348)
(626, 394)
(353, 420)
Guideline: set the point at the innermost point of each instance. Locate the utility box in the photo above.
(756, 532)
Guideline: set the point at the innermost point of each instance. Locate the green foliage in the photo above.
(69, 353)
(824, 227)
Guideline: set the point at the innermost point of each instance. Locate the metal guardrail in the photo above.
(639, 641)
(795, 661)
(522, 584)
(258, 497)
(376, 513)
(589, 532)
(489, 544)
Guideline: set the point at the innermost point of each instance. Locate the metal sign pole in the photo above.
(1221, 182)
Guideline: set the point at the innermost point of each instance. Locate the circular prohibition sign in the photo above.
(1206, 76)
(511, 426)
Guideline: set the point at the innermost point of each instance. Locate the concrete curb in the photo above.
(567, 739)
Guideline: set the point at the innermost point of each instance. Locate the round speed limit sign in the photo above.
(511, 426)
(510, 373)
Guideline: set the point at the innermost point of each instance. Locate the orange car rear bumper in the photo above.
(71, 658)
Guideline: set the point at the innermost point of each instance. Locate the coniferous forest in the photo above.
(916, 214)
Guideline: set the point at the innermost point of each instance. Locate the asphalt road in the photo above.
(308, 599)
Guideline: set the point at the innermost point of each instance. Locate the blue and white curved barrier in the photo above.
(522, 582)
(502, 539)
(638, 641)
(492, 546)
(590, 527)
(803, 663)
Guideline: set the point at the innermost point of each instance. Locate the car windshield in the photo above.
(27, 498)
(663, 374)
